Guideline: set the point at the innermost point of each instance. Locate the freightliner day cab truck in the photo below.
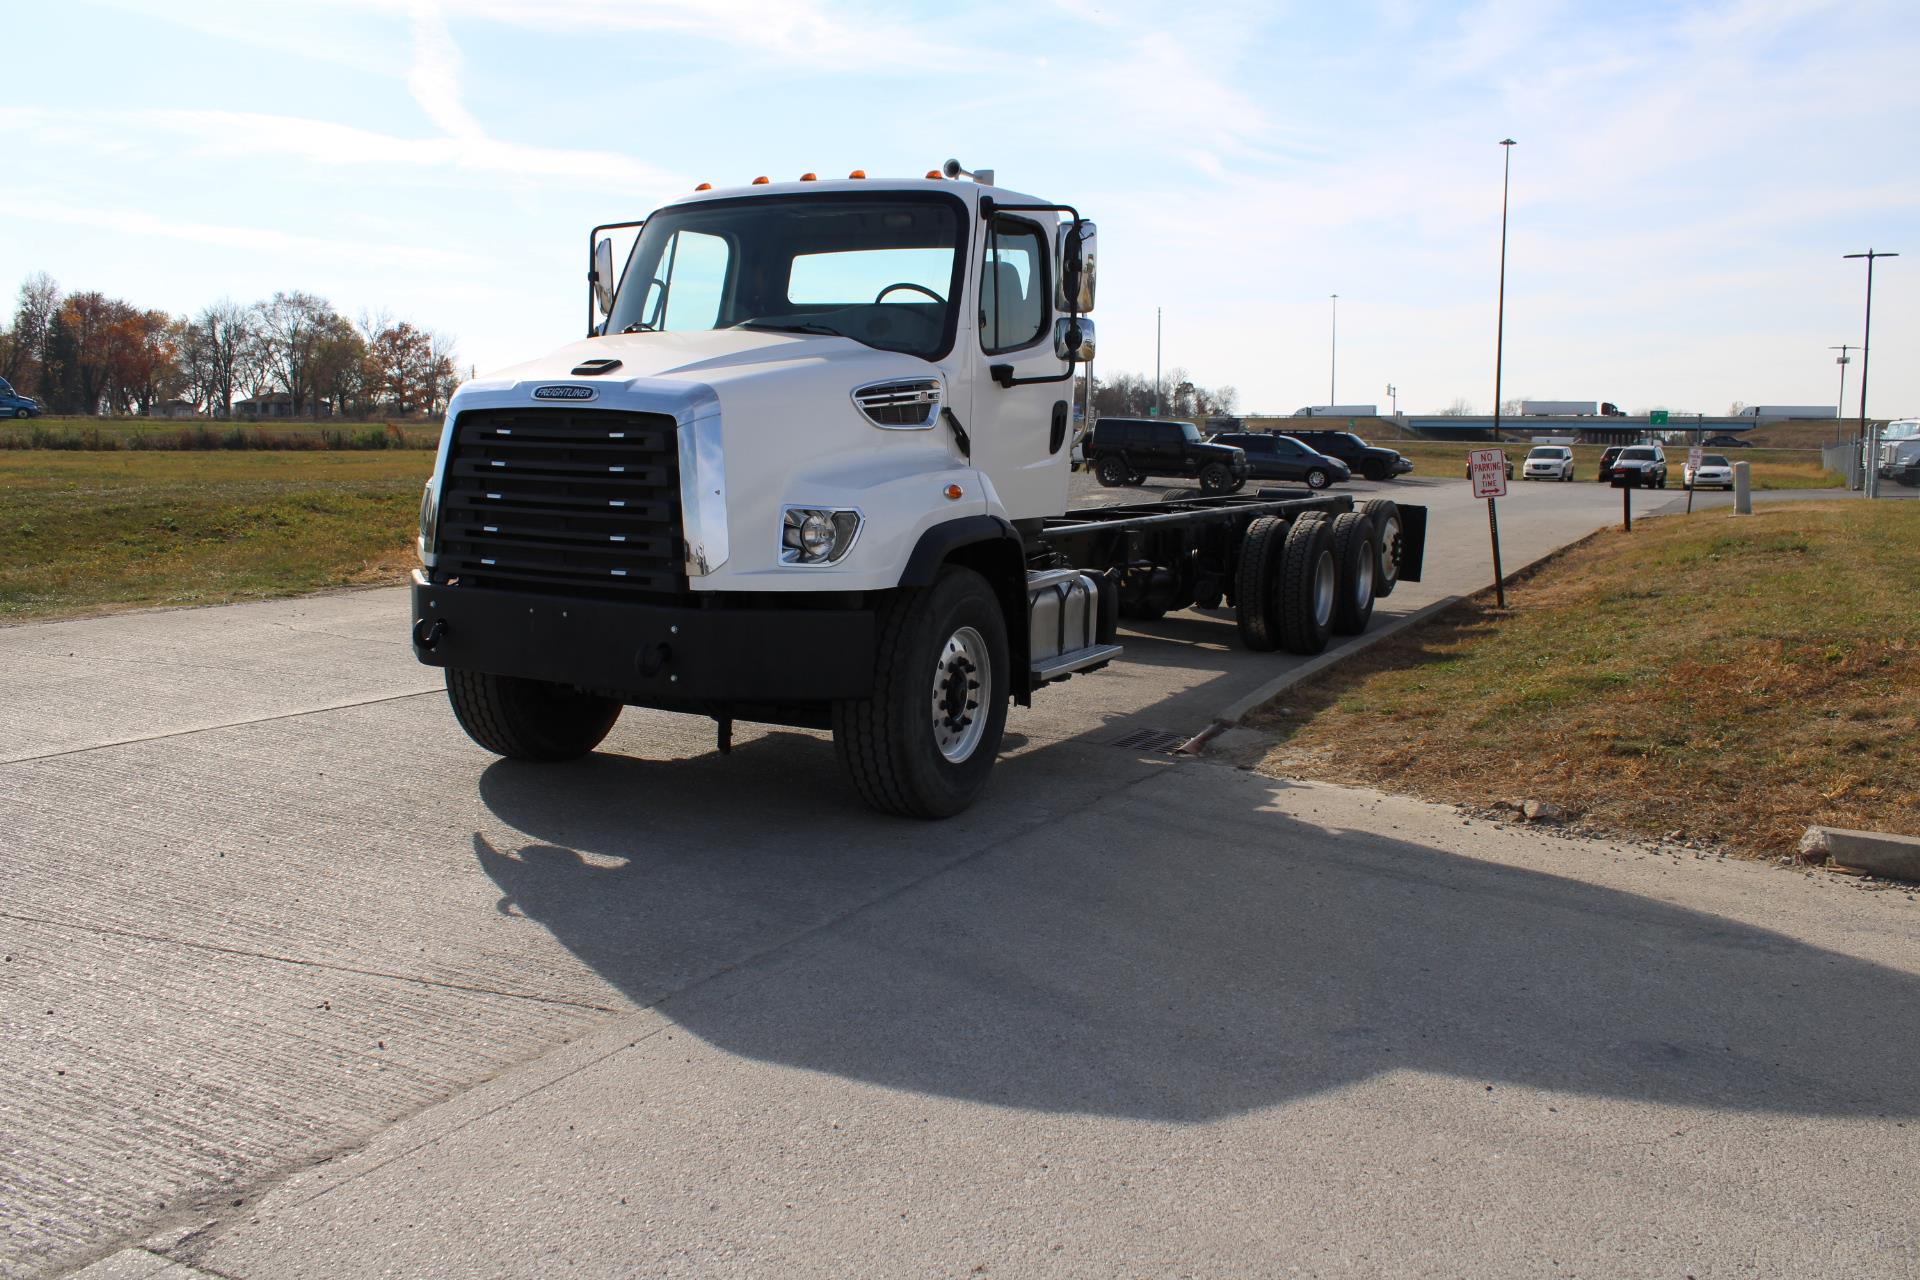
(809, 467)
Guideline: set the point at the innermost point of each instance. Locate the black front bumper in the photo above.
(653, 654)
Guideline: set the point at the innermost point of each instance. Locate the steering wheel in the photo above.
(908, 284)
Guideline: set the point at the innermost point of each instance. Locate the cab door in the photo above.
(1020, 431)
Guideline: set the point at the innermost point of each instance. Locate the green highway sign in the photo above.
(1658, 417)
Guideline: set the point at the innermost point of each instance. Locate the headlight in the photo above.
(427, 514)
(817, 535)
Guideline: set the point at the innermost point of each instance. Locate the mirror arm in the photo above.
(593, 274)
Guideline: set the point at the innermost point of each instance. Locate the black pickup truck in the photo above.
(1125, 451)
(1363, 459)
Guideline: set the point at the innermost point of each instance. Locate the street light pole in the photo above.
(1840, 405)
(1872, 477)
(1333, 357)
(1393, 394)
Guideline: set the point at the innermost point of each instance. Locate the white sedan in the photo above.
(1714, 472)
(1549, 462)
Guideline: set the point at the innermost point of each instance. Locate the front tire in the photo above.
(1215, 478)
(1318, 479)
(923, 744)
(1112, 472)
(529, 719)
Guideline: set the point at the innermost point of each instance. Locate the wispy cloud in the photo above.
(38, 206)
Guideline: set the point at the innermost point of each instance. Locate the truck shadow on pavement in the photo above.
(1157, 943)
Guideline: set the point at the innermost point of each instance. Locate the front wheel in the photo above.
(529, 719)
(1215, 478)
(22, 413)
(1318, 479)
(1112, 472)
(922, 745)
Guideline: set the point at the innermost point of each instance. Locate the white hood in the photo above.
(711, 357)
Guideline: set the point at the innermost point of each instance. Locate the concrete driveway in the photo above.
(675, 1013)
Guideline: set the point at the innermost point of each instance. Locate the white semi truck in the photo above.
(809, 467)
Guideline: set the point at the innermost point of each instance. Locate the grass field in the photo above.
(1735, 678)
(1771, 468)
(102, 434)
(84, 532)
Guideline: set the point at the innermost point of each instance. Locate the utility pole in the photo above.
(1499, 354)
(1333, 356)
(1156, 362)
(1840, 405)
(1872, 478)
(1393, 394)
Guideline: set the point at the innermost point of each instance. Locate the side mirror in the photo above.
(602, 275)
(1073, 339)
(1076, 255)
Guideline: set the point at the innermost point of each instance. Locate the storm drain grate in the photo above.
(1151, 740)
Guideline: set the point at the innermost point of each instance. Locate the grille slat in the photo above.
(563, 500)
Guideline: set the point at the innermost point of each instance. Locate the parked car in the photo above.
(15, 405)
(1714, 472)
(1642, 465)
(1468, 471)
(1548, 462)
(1369, 460)
(1125, 451)
(1607, 460)
(1278, 457)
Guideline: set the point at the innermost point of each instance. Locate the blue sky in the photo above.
(1686, 179)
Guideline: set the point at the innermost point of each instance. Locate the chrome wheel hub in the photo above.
(960, 674)
(1323, 582)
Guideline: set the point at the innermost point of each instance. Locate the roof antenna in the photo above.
(953, 170)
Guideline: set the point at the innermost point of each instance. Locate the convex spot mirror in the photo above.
(1073, 339)
(1076, 254)
(603, 276)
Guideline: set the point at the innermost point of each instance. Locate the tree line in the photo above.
(87, 353)
(1133, 395)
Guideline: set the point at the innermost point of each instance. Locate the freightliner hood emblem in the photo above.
(564, 393)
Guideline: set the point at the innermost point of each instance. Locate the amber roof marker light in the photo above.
(760, 181)
(858, 173)
(705, 186)
(809, 177)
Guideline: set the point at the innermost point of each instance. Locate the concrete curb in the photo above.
(1235, 711)
(1873, 852)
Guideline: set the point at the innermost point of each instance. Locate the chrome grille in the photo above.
(570, 501)
(904, 403)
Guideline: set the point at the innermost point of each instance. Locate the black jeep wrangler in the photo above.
(1123, 452)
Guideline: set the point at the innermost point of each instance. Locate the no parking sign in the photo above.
(1488, 469)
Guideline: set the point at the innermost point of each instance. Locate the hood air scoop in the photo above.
(592, 367)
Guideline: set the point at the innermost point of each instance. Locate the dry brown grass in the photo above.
(1734, 678)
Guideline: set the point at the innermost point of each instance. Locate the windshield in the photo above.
(881, 269)
(1191, 432)
(1637, 455)
(1715, 460)
(1551, 454)
(1892, 431)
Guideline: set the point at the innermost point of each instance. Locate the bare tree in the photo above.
(23, 354)
(293, 327)
(1460, 408)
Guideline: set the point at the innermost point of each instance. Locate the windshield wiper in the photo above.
(777, 327)
(638, 326)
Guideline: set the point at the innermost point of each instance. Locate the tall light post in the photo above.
(1333, 354)
(1871, 479)
(1393, 394)
(1499, 355)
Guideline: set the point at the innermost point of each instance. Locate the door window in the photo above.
(1013, 286)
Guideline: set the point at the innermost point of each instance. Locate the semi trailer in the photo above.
(809, 467)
